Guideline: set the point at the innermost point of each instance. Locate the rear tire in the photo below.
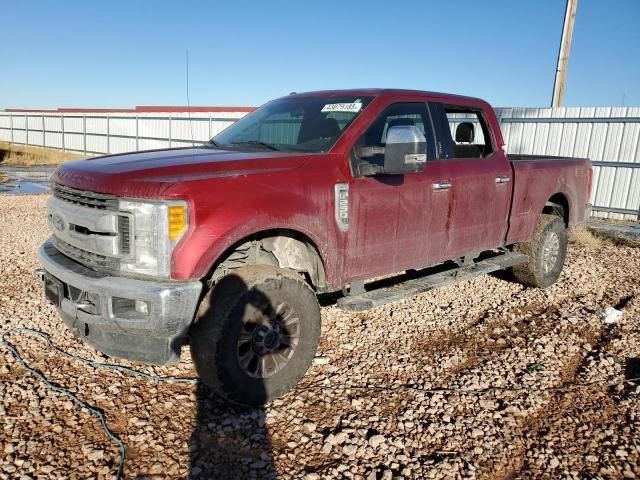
(255, 334)
(547, 251)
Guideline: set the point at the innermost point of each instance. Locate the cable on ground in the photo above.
(67, 393)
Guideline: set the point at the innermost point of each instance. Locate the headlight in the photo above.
(156, 229)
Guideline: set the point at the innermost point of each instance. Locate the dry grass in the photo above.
(589, 238)
(582, 236)
(18, 155)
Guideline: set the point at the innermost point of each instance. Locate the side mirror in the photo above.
(405, 150)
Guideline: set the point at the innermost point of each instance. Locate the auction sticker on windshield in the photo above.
(342, 107)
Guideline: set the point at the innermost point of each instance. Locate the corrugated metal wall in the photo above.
(101, 133)
(609, 136)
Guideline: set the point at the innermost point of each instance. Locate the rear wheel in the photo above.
(255, 334)
(547, 251)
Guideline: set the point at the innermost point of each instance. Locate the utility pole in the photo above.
(563, 54)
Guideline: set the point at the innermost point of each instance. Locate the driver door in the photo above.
(391, 229)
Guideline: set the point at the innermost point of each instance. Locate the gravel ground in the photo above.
(352, 416)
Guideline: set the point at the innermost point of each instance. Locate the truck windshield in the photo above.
(296, 124)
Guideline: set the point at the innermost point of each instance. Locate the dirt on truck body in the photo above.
(225, 246)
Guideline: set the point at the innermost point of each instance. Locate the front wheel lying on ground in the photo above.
(546, 250)
(255, 334)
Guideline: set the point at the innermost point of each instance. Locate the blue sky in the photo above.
(127, 53)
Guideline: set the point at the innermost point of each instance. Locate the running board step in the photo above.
(408, 288)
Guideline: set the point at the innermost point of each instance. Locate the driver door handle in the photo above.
(502, 179)
(441, 185)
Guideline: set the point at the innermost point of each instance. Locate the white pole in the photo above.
(563, 54)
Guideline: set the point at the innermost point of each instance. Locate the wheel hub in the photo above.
(550, 252)
(268, 339)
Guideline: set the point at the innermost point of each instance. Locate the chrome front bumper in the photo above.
(156, 338)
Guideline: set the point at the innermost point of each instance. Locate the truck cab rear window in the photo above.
(469, 132)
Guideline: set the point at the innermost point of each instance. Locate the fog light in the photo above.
(142, 307)
(129, 308)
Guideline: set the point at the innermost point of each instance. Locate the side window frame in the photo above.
(444, 131)
(429, 133)
(444, 140)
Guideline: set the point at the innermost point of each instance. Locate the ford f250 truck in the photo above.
(225, 246)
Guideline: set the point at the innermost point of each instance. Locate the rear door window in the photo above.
(469, 132)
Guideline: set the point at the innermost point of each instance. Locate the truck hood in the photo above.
(148, 174)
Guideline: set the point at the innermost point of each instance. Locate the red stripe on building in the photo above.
(153, 108)
(138, 109)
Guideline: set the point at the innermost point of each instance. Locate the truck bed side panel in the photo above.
(536, 180)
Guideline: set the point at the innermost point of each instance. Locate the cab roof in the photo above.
(374, 92)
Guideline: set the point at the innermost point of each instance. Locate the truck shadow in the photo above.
(230, 442)
(632, 369)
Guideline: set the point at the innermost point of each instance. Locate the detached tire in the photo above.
(255, 334)
(547, 251)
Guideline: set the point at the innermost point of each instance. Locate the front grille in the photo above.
(85, 198)
(88, 259)
(124, 233)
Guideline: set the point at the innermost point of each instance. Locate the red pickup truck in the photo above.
(226, 245)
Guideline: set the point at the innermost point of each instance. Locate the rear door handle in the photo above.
(502, 179)
(442, 185)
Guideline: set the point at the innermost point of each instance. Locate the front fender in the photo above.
(196, 258)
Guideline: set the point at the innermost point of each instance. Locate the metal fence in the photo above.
(100, 133)
(609, 136)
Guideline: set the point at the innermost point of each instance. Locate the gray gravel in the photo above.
(489, 332)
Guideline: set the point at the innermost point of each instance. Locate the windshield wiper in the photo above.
(211, 143)
(259, 143)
